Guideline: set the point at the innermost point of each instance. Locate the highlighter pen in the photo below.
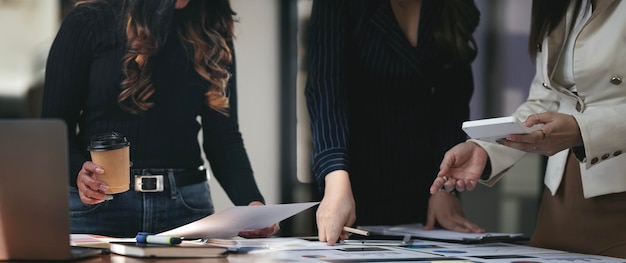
(148, 238)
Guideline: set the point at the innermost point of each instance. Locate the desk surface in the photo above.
(418, 250)
(238, 258)
(259, 258)
(114, 258)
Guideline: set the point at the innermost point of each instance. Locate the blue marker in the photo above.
(144, 237)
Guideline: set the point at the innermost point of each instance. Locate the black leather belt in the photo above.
(157, 180)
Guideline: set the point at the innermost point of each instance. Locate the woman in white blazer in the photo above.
(579, 96)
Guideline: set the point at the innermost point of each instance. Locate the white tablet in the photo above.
(492, 129)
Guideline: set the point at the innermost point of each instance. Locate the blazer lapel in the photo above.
(556, 37)
(383, 20)
(600, 6)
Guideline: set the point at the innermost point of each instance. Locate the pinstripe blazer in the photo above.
(380, 109)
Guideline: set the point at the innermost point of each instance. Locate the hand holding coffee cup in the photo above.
(111, 151)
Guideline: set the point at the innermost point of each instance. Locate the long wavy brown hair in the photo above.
(204, 28)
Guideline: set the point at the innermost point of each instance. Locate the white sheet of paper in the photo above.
(232, 220)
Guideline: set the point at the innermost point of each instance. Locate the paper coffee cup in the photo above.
(111, 151)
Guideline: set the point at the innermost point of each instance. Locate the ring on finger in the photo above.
(536, 118)
(543, 134)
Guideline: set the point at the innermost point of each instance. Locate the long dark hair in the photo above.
(546, 15)
(454, 30)
(204, 29)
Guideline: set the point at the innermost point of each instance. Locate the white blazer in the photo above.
(599, 107)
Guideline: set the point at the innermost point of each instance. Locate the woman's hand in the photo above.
(337, 208)
(460, 168)
(263, 232)
(559, 131)
(445, 208)
(91, 189)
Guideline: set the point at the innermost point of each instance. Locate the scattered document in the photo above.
(232, 220)
(260, 245)
(505, 253)
(347, 254)
(292, 249)
(557, 258)
(483, 249)
(436, 251)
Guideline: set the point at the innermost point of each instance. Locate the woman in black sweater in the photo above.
(389, 86)
(157, 72)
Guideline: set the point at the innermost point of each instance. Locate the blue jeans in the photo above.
(131, 212)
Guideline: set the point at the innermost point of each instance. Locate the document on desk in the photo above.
(232, 220)
(481, 249)
(358, 254)
(417, 231)
(271, 244)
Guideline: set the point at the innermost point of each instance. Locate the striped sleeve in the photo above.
(325, 97)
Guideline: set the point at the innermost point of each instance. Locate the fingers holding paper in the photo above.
(263, 232)
(460, 168)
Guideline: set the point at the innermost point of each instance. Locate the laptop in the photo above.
(34, 204)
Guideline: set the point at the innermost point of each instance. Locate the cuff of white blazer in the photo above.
(501, 158)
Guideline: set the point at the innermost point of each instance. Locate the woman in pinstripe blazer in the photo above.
(388, 88)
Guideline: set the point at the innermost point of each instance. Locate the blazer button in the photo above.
(594, 160)
(616, 80)
(616, 153)
(539, 47)
(605, 156)
(545, 85)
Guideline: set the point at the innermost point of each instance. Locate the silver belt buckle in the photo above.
(149, 183)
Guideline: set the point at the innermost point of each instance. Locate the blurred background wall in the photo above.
(273, 119)
(26, 28)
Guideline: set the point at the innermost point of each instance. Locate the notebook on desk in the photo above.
(34, 206)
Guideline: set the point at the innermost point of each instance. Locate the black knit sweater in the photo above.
(83, 76)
